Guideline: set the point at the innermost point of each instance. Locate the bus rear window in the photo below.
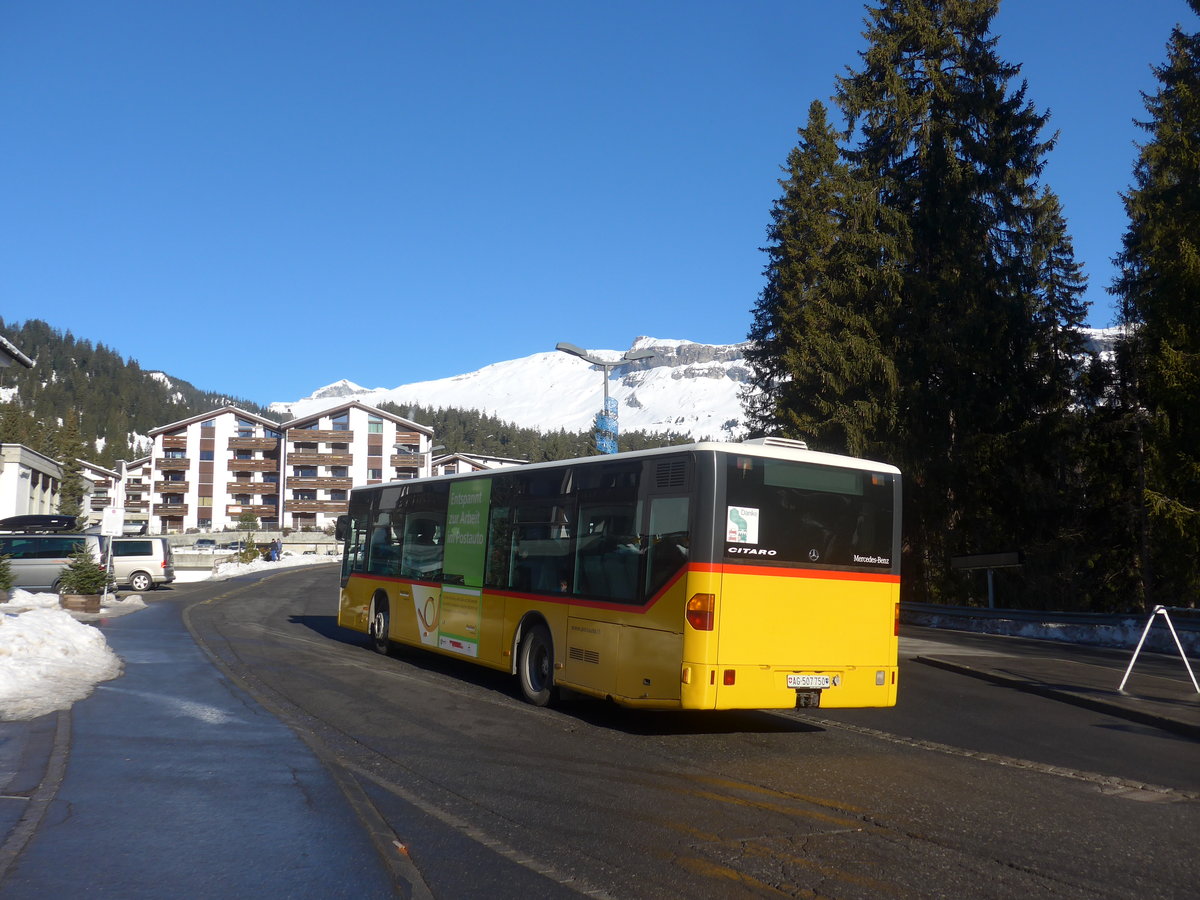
(798, 514)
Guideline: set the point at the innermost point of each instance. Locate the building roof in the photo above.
(212, 414)
(355, 404)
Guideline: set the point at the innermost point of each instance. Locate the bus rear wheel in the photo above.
(535, 665)
(378, 627)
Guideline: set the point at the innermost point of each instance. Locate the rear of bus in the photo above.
(800, 605)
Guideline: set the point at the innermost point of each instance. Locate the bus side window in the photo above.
(668, 542)
(383, 551)
(424, 546)
(500, 560)
(355, 550)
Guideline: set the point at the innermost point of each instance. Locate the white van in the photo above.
(38, 559)
(143, 563)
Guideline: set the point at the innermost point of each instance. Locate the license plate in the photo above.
(808, 681)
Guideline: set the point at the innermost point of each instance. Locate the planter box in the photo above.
(88, 603)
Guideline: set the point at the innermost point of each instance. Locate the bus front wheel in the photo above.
(535, 665)
(378, 626)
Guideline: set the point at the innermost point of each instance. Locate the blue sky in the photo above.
(264, 197)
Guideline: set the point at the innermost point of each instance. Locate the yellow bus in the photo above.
(756, 575)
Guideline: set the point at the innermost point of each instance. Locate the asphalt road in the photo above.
(964, 789)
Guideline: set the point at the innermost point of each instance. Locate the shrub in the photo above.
(6, 573)
(83, 575)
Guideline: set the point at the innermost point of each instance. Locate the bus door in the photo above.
(461, 620)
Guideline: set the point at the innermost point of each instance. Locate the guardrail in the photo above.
(1099, 629)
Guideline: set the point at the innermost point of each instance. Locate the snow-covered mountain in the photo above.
(685, 387)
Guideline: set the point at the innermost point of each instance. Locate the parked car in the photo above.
(142, 563)
(204, 544)
(39, 550)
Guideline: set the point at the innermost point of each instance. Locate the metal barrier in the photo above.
(1160, 611)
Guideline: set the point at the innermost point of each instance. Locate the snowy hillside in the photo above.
(686, 387)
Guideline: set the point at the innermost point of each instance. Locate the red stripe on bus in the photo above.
(826, 574)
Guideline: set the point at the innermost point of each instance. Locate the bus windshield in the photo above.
(799, 514)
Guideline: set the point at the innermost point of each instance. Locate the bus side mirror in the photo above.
(341, 528)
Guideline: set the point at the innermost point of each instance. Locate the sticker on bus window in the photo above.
(741, 525)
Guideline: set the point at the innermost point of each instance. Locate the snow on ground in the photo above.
(49, 657)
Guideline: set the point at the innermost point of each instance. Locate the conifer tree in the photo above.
(68, 448)
(1158, 287)
(820, 369)
(957, 259)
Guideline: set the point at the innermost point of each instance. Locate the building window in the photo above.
(305, 495)
(375, 473)
(374, 425)
(304, 471)
(339, 472)
(337, 495)
(209, 423)
(204, 501)
(206, 455)
(341, 422)
(174, 453)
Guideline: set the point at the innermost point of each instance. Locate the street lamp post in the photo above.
(606, 424)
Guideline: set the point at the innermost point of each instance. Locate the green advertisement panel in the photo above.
(466, 530)
(466, 540)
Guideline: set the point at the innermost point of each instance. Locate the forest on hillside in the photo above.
(85, 400)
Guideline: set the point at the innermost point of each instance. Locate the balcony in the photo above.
(315, 506)
(407, 460)
(172, 465)
(319, 484)
(253, 487)
(170, 509)
(236, 509)
(176, 442)
(137, 506)
(309, 458)
(252, 465)
(254, 443)
(326, 437)
(171, 487)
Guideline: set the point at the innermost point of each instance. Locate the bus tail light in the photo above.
(700, 611)
(730, 676)
(896, 623)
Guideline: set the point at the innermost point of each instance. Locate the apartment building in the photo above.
(455, 463)
(350, 444)
(30, 482)
(102, 488)
(209, 469)
(138, 481)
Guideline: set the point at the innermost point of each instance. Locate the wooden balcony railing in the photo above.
(170, 509)
(320, 484)
(309, 458)
(305, 435)
(172, 465)
(407, 460)
(252, 465)
(176, 442)
(315, 506)
(254, 443)
(236, 509)
(253, 487)
(171, 487)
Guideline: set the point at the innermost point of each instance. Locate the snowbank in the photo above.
(49, 658)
